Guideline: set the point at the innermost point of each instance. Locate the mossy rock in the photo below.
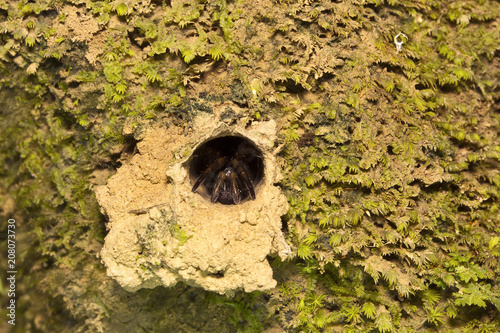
(390, 157)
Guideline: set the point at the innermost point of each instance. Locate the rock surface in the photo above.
(160, 232)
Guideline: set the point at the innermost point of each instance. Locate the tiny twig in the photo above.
(399, 43)
(141, 211)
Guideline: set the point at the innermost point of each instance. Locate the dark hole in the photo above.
(420, 86)
(390, 257)
(218, 274)
(73, 84)
(284, 226)
(226, 169)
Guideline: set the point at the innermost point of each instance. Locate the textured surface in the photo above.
(390, 159)
(160, 232)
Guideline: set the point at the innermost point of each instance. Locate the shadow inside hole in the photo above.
(228, 165)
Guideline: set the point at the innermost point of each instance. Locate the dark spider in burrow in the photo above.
(227, 168)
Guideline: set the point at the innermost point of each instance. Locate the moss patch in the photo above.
(390, 159)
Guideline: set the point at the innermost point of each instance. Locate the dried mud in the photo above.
(160, 232)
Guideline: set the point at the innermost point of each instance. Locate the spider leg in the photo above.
(219, 183)
(235, 192)
(211, 169)
(243, 172)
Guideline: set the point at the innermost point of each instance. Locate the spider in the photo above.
(229, 168)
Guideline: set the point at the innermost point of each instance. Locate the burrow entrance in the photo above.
(226, 169)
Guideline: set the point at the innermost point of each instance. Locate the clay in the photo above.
(160, 232)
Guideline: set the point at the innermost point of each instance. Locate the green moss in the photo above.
(390, 158)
